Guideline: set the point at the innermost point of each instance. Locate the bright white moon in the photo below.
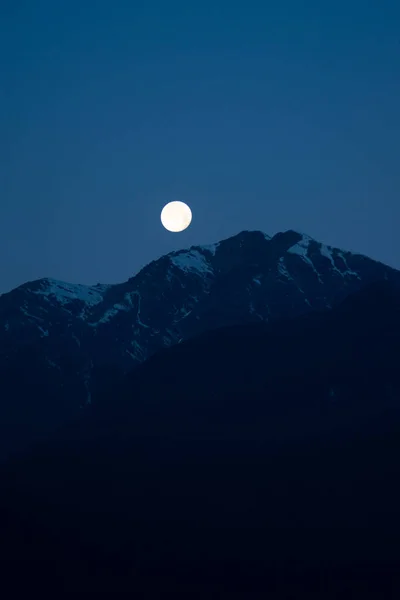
(176, 216)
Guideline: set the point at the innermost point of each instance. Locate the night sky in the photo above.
(259, 115)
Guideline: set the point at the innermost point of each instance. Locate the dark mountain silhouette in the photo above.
(59, 341)
(253, 459)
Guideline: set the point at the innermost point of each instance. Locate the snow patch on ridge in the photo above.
(301, 249)
(64, 293)
(138, 319)
(110, 313)
(348, 271)
(191, 261)
(24, 311)
(282, 268)
(326, 251)
(127, 305)
(211, 248)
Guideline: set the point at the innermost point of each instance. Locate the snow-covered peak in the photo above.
(212, 248)
(191, 261)
(336, 257)
(64, 293)
(301, 247)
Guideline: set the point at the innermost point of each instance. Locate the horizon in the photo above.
(187, 248)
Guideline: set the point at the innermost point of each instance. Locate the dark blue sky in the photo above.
(259, 115)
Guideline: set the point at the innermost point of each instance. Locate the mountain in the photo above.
(59, 342)
(261, 458)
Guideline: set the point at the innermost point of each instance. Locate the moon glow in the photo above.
(176, 216)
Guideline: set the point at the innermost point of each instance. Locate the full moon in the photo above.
(176, 216)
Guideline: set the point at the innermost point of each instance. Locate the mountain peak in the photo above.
(70, 334)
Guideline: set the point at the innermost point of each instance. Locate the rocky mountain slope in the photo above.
(57, 340)
(261, 458)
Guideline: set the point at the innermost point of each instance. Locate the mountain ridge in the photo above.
(57, 339)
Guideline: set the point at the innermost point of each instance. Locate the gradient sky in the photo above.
(259, 115)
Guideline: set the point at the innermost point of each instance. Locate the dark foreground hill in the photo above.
(254, 461)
